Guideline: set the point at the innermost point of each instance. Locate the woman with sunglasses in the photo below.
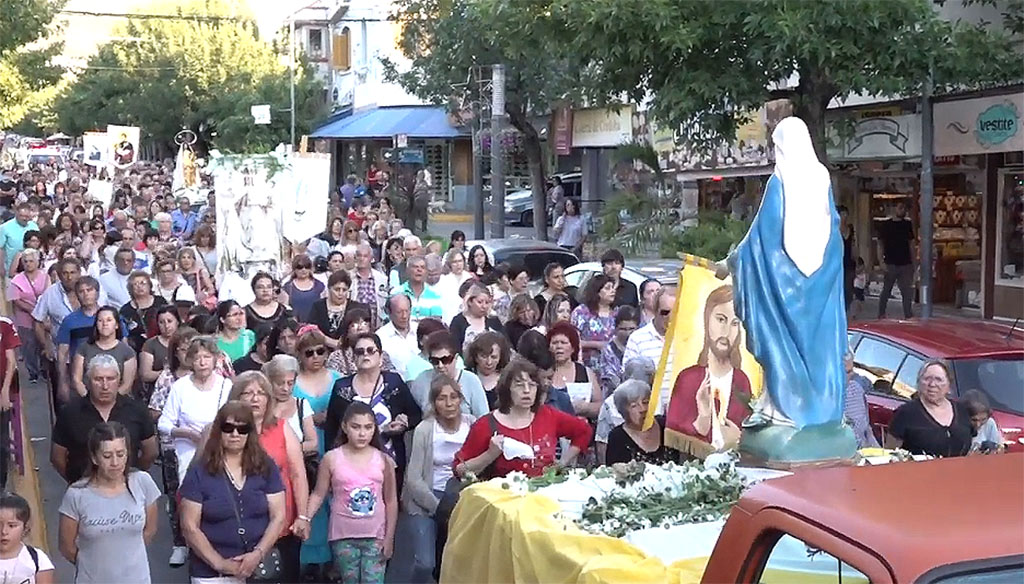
(351, 234)
(94, 240)
(394, 408)
(303, 289)
(232, 500)
(313, 386)
(333, 235)
(139, 314)
(343, 359)
(283, 446)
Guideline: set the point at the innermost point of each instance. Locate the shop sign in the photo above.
(876, 138)
(602, 128)
(979, 126)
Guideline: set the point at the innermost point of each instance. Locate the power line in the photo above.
(199, 17)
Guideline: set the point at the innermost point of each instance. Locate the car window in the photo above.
(905, 385)
(792, 560)
(852, 339)
(878, 361)
(535, 261)
(579, 278)
(999, 379)
(988, 571)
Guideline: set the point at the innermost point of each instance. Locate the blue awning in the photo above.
(387, 122)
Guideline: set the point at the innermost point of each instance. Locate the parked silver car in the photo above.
(519, 203)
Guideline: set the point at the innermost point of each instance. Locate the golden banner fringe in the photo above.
(688, 445)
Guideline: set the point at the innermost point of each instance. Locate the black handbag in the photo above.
(270, 569)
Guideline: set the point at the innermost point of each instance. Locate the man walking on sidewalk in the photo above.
(896, 246)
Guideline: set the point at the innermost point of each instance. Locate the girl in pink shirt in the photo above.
(364, 502)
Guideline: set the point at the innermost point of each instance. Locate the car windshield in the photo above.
(1002, 380)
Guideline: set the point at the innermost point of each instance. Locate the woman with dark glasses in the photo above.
(232, 501)
(394, 408)
(313, 386)
(303, 289)
(355, 323)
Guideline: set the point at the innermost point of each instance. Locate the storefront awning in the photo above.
(417, 122)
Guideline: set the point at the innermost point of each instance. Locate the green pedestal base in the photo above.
(785, 447)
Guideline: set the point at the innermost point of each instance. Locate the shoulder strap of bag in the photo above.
(34, 554)
(238, 516)
(493, 424)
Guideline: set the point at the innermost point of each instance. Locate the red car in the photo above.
(984, 355)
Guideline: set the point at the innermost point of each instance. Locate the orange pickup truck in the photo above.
(958, 520)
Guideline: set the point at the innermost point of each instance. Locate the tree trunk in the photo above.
(813, 96)
(535, 156)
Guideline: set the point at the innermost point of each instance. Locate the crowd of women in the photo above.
(324, 426)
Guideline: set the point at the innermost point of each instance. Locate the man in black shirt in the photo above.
(896, 240)
(69, 451)
(612, 263)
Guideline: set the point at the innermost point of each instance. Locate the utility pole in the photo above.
(291, 69)
(497, 153)
(478, 160)
(927, 196)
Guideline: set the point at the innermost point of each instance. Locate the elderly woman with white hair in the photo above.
(282, 371)
(629, 441)
(641, 368)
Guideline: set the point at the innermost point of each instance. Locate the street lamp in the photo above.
(291, 63)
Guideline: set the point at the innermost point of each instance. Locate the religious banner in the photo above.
(95, 148)
(101, 191)
(303, 195)
(185, 180)
(124, 145)
(248, 220)
(705, 365)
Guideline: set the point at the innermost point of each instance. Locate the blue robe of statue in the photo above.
(795, 324)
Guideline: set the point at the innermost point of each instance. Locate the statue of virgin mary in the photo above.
(787, 274)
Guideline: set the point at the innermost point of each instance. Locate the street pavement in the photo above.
(52, 487)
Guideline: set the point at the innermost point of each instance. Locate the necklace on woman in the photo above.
(231, 477)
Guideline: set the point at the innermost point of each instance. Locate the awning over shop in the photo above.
(416, 122)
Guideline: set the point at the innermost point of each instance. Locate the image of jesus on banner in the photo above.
(714, 378)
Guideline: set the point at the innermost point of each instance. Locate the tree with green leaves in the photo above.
(445, 39)
(704, 66)
(25, 54)
(202, 71)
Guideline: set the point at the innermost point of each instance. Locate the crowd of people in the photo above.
(325, 426)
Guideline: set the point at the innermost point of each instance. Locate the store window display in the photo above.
(1010, 221)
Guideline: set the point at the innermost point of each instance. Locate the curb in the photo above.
(27, 485)
(455, 217)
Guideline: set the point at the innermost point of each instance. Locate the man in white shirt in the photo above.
(398, 337)
(115, 282)
(649, 341)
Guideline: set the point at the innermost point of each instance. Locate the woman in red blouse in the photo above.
(521, 416)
